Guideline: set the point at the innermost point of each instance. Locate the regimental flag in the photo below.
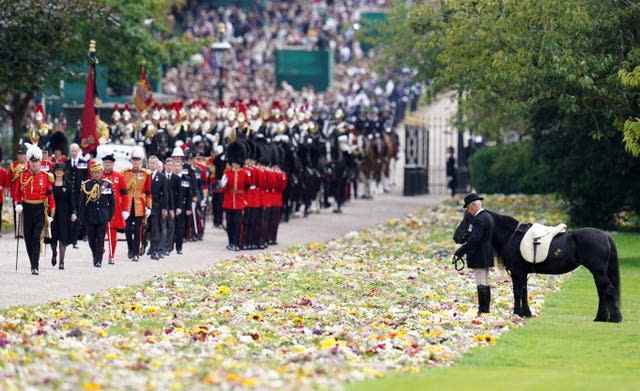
(143, 97)
(88, 133)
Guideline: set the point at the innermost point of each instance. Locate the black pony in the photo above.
(589, 247)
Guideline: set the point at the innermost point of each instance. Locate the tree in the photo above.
(42, 39)
(550, 70)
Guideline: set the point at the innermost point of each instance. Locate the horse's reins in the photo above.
(458, 262)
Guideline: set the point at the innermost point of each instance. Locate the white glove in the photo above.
(203, 204)
(147, 212)
(125, 215)
(50, 219)
(223, 182)
(178, 211)
(73, 217)
(18, 208)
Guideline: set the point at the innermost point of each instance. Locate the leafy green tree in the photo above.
(43, 39)
(550, 70)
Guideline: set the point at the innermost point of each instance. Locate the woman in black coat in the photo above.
(65, 214)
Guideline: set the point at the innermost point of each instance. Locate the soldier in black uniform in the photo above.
(96, 209)
(75, 172)
(220, 164)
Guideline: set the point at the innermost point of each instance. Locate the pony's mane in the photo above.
(503, 219)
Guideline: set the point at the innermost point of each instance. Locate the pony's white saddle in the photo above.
(537, 240)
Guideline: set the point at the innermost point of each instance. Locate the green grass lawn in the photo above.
(559, 350)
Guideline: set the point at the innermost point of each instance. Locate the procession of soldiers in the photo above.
(240, 167)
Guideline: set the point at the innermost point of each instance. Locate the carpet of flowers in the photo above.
(314, 316)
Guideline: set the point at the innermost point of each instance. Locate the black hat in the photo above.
(470, 198)
(59, 166)
(251, 149)
(109, 157)
(236, 153)
(22, 149)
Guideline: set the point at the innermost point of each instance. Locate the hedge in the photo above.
(508, 169)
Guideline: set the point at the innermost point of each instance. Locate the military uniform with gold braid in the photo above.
(96, 209)
(139, 190)
(34, 200)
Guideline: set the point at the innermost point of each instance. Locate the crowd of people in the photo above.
(255, 33)
(262, 155)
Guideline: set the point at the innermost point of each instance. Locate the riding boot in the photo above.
(63, 250)
(54, 255)
(484, 299)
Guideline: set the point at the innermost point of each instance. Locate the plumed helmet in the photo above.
(34, 153)
(137, 153)
(177, 152)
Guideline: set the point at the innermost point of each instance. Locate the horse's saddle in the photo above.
(535, 244)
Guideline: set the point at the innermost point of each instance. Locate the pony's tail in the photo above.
(613, 269)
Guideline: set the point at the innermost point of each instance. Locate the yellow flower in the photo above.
(151, 309)
(485, 338)
(424, 314)
(328, 343)
(210, 379)
(110, 356)
(224, 290)
(102, 333)
(315, 246)
(91, 387)
(233, 377)
(298, 321)
(433, 333)
(257, 317)
(249, 383)
(373, 372)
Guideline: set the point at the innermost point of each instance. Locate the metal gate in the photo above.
(416, 167)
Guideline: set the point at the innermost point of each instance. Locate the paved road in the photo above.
(80, 277)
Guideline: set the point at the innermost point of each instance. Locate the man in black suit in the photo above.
(76, 171)
(159, 206)
(168, 231)
(181, 188)
(479, 249)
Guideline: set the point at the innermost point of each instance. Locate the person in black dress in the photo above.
(66, 213)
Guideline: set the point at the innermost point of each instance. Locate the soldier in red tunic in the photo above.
(139, 203)
(234, 184)
(15, 169)
(252, 216)
(34, 202)
(5, 185)
(121, 198)
(279, 184)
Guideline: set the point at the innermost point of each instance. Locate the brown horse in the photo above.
(372, 166)
(392, 147)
